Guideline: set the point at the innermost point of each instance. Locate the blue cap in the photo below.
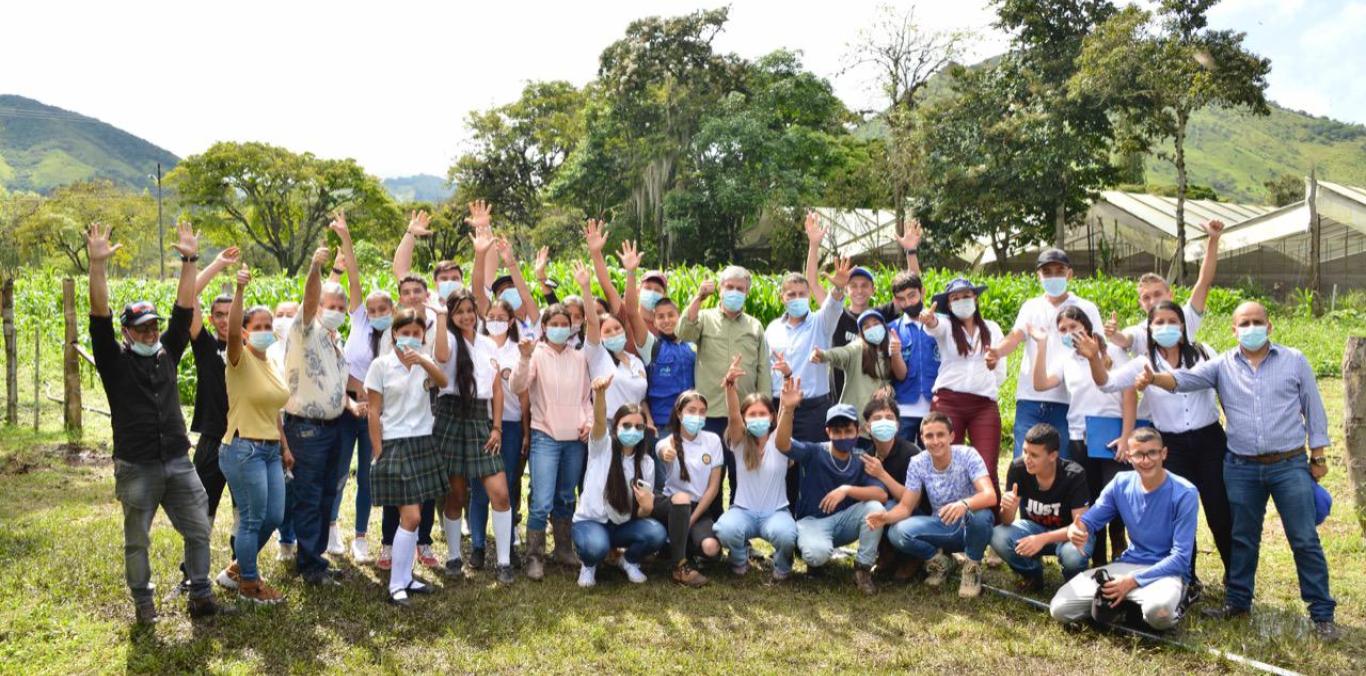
(1323, 503)
(846, 411)
(870, 313)
(958, 284)
(861, 271)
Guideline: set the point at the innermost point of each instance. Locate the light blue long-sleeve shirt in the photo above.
(1161, 523)
(1270, 409)
(795, 343)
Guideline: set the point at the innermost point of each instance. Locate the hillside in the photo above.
(419, 188)
(43, 146)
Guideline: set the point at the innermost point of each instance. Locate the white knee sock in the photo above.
(452, 529)
(502, 535)
(405, 550)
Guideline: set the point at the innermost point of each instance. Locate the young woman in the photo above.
(670, 363)
(614, 509)
(250, 457)
(760, 505)
(869, 364)
(369, 323)
(407, 470)
(691, 460)
(1073, 370)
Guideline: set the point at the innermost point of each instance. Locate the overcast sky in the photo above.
(389, 83)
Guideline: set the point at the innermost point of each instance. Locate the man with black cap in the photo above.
(1032, 406)
(152, 468)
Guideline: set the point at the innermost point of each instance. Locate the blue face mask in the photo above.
(758, 427)
(883, 430)
(261, 339)
(615, 343)
(733, 300)
(630, 436)
(692, 424)
(798, 307)
(844, 445)
(1252, 337)
(447, 287)
(408, 343)
(511, 297)
(1167, 335)
(381, 323)
(143, 349)
(1068, 341)
(1055, 286)
(558, 334)
(875, 334)
(649, 298)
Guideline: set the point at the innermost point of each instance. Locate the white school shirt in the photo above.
(507, 357)
(702, 455)
(407, 408)
(1171, 411)
(386, 340)
(763, 489)
(1138, 333)
(1086, 398)
(967, 375)
(593, 505)
(1038, 311)
(628, 376)
(357, 350)
(483, 356)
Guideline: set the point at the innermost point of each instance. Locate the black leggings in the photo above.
(1099, 472)
(682, 537)
(1198, 457)
(389, 524)
(206, 466)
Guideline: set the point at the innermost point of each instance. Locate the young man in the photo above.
(1272, 405)
(1153, 289)
(837, 493)
(1052, 492)
(919, 351)
(448, 276)
(1032, 406)
(886, 457)
(1159, 509)
(152, 468)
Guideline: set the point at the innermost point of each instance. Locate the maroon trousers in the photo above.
(976, 417)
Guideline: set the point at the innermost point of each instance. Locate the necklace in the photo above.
(831, 450)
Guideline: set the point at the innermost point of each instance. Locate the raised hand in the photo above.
(481, 216)
(893, 342)
(338, 224)
(542, 259)
(629, 256)
(1038, 333)
(243, 276)
(187, 244)
(1214, 228)
(418, 224)
(792, 393)
(733, 373)
(1010, 499)
(840, 277)
(706, 288)
(320, 256)
(817, 355)
(668, 453)
(930, 315)
(1112, 325)
(815, 232)
(780, 364)
(1088, 346)
(600, 385)
(500, 244)
(1144, 379)
(910, 234)
(595, 235)
(227, 257)
(340, 261)
(583, 276)
(526, 346)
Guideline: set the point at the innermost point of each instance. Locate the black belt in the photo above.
(291, 418)
(1269, 458)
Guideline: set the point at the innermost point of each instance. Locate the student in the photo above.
(606, 343)
(886, 455)
(919, 352)
(446, 275)
(1102, 458)
(510, 288)
(617, 498)
(1032, 407)
(1153, 289)
(1160, 510)
(1047, 493)
(1272, 405)
(285, 313)
(1188, 421)
(669, 363)
(407, 470)
(759, 507)
(690, 457)
(151, 465)
(251, 456)
(871, 362)
(837, 493)
(961, 498)
(370, 325)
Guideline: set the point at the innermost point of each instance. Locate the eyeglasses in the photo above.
(144, 328)
(1150, 454)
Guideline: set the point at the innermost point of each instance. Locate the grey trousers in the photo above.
(174, 486)
(1159, 599)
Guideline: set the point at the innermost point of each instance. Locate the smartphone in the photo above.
(640, 483)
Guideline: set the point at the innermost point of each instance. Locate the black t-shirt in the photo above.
(896, 463)
(211, 387)
(1052, 508)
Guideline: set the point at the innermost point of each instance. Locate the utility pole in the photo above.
(161, 230)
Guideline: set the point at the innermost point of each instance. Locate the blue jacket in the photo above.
(920, 351)
(670, 374)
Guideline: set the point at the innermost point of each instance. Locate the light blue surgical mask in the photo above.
(261, 339)
(408, 343)
(615, 343)
(883, 430)
(1167, 335)
(798, 307)
(963, 308)
(692, 424)
(649, 298)
(1252, 337)
(758, 427)
(558, 335)
(145, 350)
(446, 287)
(382, 322)
(875, 334)
(733, 300)
(630, 436)
(1055, 286)
(512, 297)
(1068, 341)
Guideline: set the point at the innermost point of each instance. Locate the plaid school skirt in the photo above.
(461, 429)
(407, 473)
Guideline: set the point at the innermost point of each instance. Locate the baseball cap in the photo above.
(499, 283)
(1052, 256)
(861, 271)
(138, 312)
(1323, 503)
(656, 276)
(846, 411)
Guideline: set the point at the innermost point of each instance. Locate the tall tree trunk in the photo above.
(1354, 386)
(1182, 117)
(1060, 226)
(11, 352)
(1315, 242)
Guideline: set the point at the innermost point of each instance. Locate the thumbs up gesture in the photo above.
(1112, 325)
(1145, 378)
(1011, 499)
(1077, 535)
(930, 316)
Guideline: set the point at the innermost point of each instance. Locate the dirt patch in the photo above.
(46, 455)
(80, 455)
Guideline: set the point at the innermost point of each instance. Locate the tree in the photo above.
(1284, 189)
(1155, 71)
(281, 200)
(57, 225)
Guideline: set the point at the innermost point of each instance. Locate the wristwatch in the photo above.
(911, 252)
(1320, 460)
(189, 259)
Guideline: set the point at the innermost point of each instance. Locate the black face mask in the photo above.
(914, 310)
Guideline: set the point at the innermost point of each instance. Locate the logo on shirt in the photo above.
(706, 458)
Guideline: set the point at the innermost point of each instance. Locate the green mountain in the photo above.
(419, 188)
(42, 147)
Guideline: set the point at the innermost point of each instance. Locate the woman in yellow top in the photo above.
(250, 456)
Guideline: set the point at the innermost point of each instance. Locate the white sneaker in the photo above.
(228, 579)
(588, 576)
(334, 541)
(287, 550)
(360, 550)
(633, 572)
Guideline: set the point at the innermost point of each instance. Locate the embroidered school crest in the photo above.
(706, 458)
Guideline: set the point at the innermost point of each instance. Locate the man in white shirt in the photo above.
(1153, 289)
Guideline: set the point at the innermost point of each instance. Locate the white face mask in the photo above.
(963, 308)
(496, 328)
(332, 319)
(281, 326)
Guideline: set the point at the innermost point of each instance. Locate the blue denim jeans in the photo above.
(1288, 483)
(555, 470)
(479, 498)
(173, 485)
(738, 526)
(909, 429)
(1005, 537)
(923, 536)
(354, 437)
(639, 537)
(257, 479)
(1031, 413)
(317, 455)
(818, 536)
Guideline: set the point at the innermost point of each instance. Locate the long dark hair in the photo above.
(875, 356)
(1190, 352)
(1078, 315)
(676, 424)
(514, 334)
(960, 334)
(464, 364)
(616, 491)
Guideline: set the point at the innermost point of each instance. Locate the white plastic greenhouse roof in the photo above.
(1159, 211)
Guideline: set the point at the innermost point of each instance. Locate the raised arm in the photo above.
(592, 329)
(187, 245)
(790, 399)
(313, 286)
(529, 309)
(235, 315)
(1208, 267)
(815, 234)
(225, 260)
(735, 425)
(100, 251)
(1043, 380)
(480, 220)
(630, 310)
(403, 255)
(910, 244)
(595, 234)
(600, 386)
(355, 292)
(688, 327)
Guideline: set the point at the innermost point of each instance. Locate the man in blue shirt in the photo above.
(1272, 404)
(1160, 510)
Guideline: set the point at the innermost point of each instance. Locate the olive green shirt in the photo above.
(719, 338)
(858, 386)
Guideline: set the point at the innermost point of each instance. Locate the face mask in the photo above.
(332, 319)
(143, 349)
(576, 326)
(630, 436)
(557, 334)
(446, 287)
(963, 307)
(692, 424)
(875, 334)
(883, 430)
(913, 311)
(382, 322)
(616, 343)
(844, 445)
(1167, 335)
(1055, 286)
(511, 297)
(261, 339)
(1252, 337)
(496, 328)
(798, 307)
(649, 298)
(733, 300)
(1068, 341)
(281, 326)
(403, 343)
(757, 427)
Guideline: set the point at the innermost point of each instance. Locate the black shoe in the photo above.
(1327, 631)
(1029, 583)
(477, 558)
(505, 575)
(1226, 612)
(514, 559)
(201, 608)
(145, 612)
(400, 598)
(323, 579)
(454, 568)
(419, 587)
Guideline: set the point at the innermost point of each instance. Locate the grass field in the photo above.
(64, 607)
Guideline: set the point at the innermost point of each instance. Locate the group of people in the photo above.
(652, 426)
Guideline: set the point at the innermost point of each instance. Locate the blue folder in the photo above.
(1101, 430)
